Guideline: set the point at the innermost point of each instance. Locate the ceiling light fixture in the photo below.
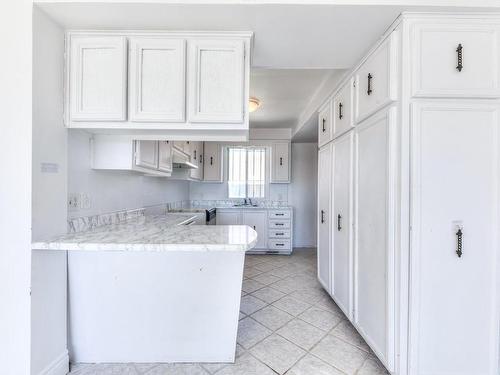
(253, 104)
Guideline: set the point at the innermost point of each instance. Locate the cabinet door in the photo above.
(217, 81)
(146, 154)
(165, 156)
(376, 79)
(230, 217)
(157, 79)
(456, 59)
(325, 125)
(374, 242)
(97, 78)
(212, 162)
(342, 274)
(324, 223)
(258, 221)
(455, 173)
(196, 158)
(342, 110)
(280, 163)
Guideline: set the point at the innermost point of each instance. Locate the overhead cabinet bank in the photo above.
(409, 176)
(161, 81)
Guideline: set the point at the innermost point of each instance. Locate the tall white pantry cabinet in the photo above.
(409, 195)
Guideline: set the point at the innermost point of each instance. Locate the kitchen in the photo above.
(206, 198)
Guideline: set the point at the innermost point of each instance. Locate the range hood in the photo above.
(182, 160)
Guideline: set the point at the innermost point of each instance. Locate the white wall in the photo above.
(303, 193)
(48, 295)
(15, 185)
(114, 190)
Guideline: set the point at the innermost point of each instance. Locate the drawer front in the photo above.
(279, 244)
(277, 233)
(375, 80)
(279, 214)
(342, 110)
(325, 125)
(279, 224)
(455, 61)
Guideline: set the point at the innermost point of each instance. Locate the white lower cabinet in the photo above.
(342, 251)
(228, 217)
(324, 222)
(454, 320)
(258, 221)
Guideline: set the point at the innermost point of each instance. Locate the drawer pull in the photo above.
(324, 122)
(322, 216)
(339, 226)
(369, 90)
(280, 214)
(280, 234)
(459, 242)
(279, 224)
(459, 57)
(340, 111)
(280, 244)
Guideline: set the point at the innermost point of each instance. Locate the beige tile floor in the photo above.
(288, 325)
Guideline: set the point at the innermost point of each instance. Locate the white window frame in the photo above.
(267, 172)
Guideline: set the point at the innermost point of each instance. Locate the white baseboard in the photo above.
(59, 366)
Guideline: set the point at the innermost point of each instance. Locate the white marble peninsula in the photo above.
(154, 289)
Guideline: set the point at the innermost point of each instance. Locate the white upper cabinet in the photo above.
(146, 154)
(451, 59)
(217, 81)
(212, 162)
(197, 159)
(325, 125)
(376, 79)
(342, 110)
(280, 162)
(97, 79)
(165, 156)
(157, 79)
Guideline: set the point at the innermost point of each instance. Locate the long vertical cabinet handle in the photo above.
(369, 89)
(459, 235)
(322, 216)
(324, 122)
(339, 225)
(340, 111)
(211, 160)
(281, 161)
(459, 51)
(194, 154)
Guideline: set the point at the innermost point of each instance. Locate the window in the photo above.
(246, 172)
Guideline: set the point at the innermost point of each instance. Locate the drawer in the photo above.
(277, 233)
(376, 80)
(279, 244)
(453, 60)
(279, 224)
(325, 125)
(284, 214)
(342, 110)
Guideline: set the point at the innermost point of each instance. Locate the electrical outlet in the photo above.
(73, 201)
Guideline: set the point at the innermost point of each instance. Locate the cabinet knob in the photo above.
(369, 89)
(459, 51)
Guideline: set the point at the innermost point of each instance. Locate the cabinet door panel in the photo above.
(228, 217)
(342, 110)
(146, 154)
(342, 228)
(217, 81)
(97, 78)
(258, 221)
(280, 172)
(212, 162)
(455, 164)
(374, 244)
(436, 66)
(324, 223)
(165, 156)
(325, 125)
(157, 79)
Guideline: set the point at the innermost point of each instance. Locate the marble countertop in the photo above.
(156, 233)
(220, 207)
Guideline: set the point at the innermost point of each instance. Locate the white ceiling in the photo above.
(284, 94)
